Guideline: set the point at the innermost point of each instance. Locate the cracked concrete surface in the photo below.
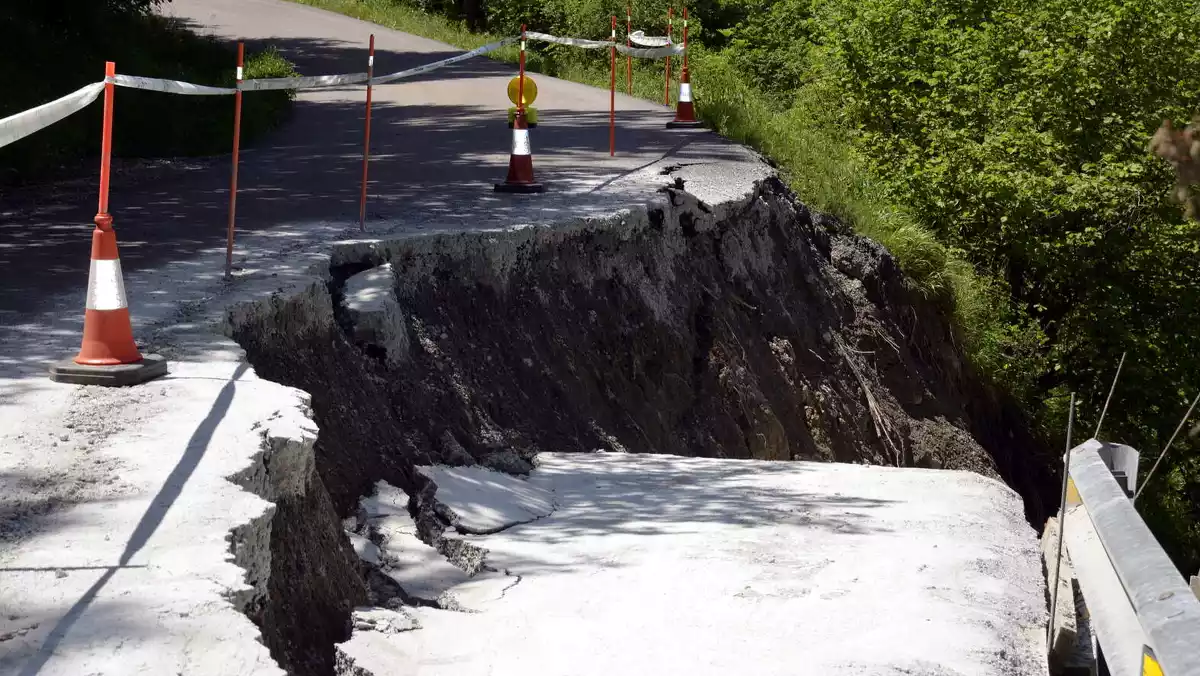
(138, 576)
(668, 565)
(472, 500)
(71, 603)
(484, 501)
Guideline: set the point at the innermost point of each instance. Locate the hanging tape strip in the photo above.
(168, 86)
(20, 125)
(640, 38)
(654, 53)
(668, 50)
(392, 77)
(570, 42)
(312, 82)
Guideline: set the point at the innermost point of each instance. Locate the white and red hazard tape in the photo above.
(17, 126)
(642, 40)
(654, 53)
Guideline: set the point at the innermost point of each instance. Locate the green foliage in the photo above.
(772, 46)
(822, 167)
(1017, 131)
(70, 52)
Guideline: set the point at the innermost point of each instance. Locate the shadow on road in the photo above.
(192, 454)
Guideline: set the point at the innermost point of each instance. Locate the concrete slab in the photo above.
(129, 571)
(370, 301)
(485, 501)
(418, 568)
(665, 565)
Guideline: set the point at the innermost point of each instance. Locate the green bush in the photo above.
(1017, 132)
(70, 51)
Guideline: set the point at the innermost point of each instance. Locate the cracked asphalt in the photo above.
(439, 142)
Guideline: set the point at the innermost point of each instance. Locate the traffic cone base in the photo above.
(520, 162)
(117, 375)
(520, 188)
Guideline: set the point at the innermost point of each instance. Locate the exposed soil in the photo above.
(749, 330)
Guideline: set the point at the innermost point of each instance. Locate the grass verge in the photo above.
(818, 162)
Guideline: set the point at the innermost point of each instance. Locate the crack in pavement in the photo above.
(466, 530)
(516, 582)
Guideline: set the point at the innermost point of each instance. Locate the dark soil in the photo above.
(755, 330)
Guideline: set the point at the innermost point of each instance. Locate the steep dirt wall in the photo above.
(753, 329)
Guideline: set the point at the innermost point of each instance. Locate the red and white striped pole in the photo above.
(107, 328)
(107, 355)
(362, 202)
(237, 142)
(612, 92)
(685, 23)
(521, 79)
(667, 83)
(110, 71)
(685, 112)
(628, 43)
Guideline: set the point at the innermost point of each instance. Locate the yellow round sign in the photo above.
(530, 89)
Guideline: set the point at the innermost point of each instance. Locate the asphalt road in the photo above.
(439, 142)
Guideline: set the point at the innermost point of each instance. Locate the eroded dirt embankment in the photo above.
(754, 329)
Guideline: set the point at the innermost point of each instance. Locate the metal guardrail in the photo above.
(1145, 617)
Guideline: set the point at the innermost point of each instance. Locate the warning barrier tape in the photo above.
(306, 82)
(655, 53)
(572, 42)
(491, 47)
(18, 126)
(168, 86)
(640, 38)
(651, 53)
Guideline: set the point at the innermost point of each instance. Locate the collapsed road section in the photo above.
(750, 329)
(658, 564)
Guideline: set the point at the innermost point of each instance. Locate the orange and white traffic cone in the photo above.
(107, 329)
(520, 162)
(685, 114)
(108, 355)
